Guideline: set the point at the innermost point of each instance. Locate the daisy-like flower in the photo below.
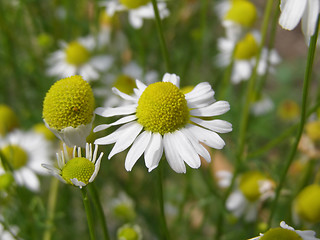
(160, 117)
(77, 58)
(129, 232)
(78, 171)
(292, 11)
(288, 110)
(68, 110)
(8, 119)
(253, 188)
(245, 56)
(122, 208)
(285, 232)
(137, 10)
(24, 152)
(237, 17)
(306, 205)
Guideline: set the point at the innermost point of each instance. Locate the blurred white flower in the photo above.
(137, 10)
(244, 57)
(77, 58)
(262, 106)
(292, 11)
(25, 152)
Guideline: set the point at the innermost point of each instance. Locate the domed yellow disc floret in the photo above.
(15, 155)
(125, 84)
(288, 110)
(8, 119)
(76, 54)
(80, 168)
(307, 204)
(162, 108)
(249, 185)
(68, 103)
(128, 233)
(280, 234)
(313, 130)
(246, 48)
(134, 3)
(242, 12)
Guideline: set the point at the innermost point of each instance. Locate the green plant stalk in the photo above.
(86, 204)
(306, 83)
(96, 201)
(163, 220)
(284, 135)
(164, 48)
(52, 200)
(245, 115)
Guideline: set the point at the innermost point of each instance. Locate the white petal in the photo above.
(154, 151)
(102, 63)
(137, 149)
(216, 125)
(123, 120)
(208, 137)
(27, 178)
(110, 112)
(135, 20)
(292, 13)
(140, 85)
(113, 137)
(173, 78)
(97, 167)
(77, 183)
(196, 145)
(126, 138)
(199, 90)
(309, 18)
(185, 150)
(173, 158)
(123, 95)
(215, 109)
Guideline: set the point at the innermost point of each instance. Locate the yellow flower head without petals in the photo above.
(242, 12)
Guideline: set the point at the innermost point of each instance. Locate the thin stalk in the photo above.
(306, 83)
(86, 204)
(161, 203)
(52, 200)
(245, 115)
(164, 48)
(96, 201)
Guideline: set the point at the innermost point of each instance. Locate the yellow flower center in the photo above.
(288, 110)
(80, 168)
(131, 4)
(6, 180)
(125, 84)
(15, 155)
(280, 234)
(246, 48)
(249, 185)
(307, 204)
(242, 12)
(124, 212)
(68, 103)
(8, 119)
(128, 233)
(76, 54)
(162, 108)
(313, 130)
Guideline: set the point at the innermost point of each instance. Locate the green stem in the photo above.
(52, 200)
(96, 201)
(86, 204)
(245, 115)
(306, 83)
(161, 203)
(164, 49)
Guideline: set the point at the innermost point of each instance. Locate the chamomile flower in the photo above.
(77, 57)
(292, 11)
(288, 110)
(129, 232)
(237, 16)
(285, 232)
(25, 151)
(78, 171)
(68, 110)
(306, 206)
(161, 118)
(122, 207)
(138, 10)
(244, 56)
(253, 188)
(8, 119)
